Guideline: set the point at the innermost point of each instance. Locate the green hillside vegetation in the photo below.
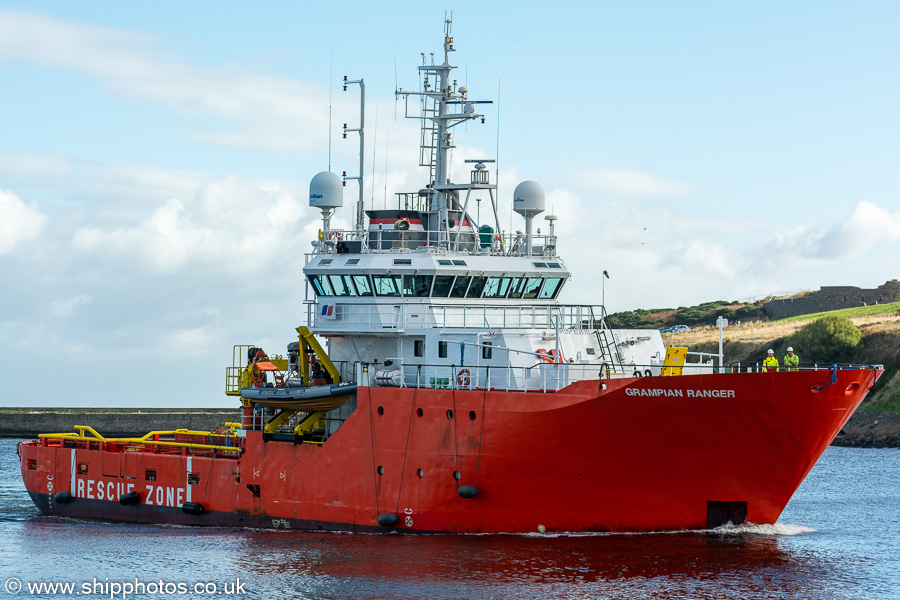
(859, 311)
(702, 314)
(825, 338)
(829, 339)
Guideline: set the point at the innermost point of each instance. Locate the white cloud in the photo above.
(229, 223)
(868, 226)
(64, 307)
(259, 112)
(622, 182)
(19, 222)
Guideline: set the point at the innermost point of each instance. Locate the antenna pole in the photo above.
(360, 212)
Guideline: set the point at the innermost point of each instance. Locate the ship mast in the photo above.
(437, 120)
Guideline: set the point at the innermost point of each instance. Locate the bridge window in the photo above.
(363, 287)
(387, 285)
(460, 286)
(417, 285)
(321, 285)
(550, 289)
(476, 288)
(532, 288)
(496, 287)
(445, 262)
(341, 285)
(517, 287)
(442, 286)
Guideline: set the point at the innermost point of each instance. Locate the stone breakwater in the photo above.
(871, 430)
(111, 422)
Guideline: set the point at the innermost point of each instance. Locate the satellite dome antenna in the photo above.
(528, 201)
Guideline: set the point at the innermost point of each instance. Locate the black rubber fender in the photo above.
(467, 491)
(192, 508)
(62, 497)
(129, 498)
(387, 519)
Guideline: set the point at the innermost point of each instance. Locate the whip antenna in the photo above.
(330, 76)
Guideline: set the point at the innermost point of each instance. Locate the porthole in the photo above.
(380, 470)
(380, 411)
(449, 414)
(420, 473)
(456, 475)
(419, 412)
(471, 415)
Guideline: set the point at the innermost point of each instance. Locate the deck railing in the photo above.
(551, 377)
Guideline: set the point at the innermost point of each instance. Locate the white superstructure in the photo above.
(423, 295)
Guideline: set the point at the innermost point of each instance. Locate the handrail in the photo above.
(84, 430)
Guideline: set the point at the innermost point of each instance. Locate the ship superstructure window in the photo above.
(417, 285)
(321, 285)
(487, 352)
(352, 261)
(418, 347)
(532, 288)
(402, 261)
(460, 286)
(363, 287)
(550, 288)
(517, 287)
(497, 287)
(325, 261)
(445, 262)
(554, 265)
(442, 286)
(476, 288)
(459, 263)
(442, 349)
(387, 285)
(341, 285)
(540, 265)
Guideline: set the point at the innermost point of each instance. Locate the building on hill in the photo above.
(833, 298)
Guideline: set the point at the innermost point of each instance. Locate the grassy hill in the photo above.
(750, 337)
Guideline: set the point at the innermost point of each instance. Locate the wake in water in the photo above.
(752, 528)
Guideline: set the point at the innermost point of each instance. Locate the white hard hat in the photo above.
(771, 351)
(790, 349)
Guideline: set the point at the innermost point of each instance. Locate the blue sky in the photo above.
(155, 160)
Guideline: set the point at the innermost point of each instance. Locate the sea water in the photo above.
(839, 538)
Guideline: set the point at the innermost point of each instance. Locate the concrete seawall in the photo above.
(111, 422)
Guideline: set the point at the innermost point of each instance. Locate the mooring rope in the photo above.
(833, 379)
(480, 438)
(412, 408)
(374, 472)
(455, 435)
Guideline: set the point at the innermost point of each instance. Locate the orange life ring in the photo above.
(464, 377)
(334, 236)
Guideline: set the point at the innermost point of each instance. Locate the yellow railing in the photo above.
(88, 434)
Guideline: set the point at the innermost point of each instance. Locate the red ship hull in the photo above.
(644, 454)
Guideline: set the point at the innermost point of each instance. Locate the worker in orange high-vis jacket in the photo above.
(771, 363)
